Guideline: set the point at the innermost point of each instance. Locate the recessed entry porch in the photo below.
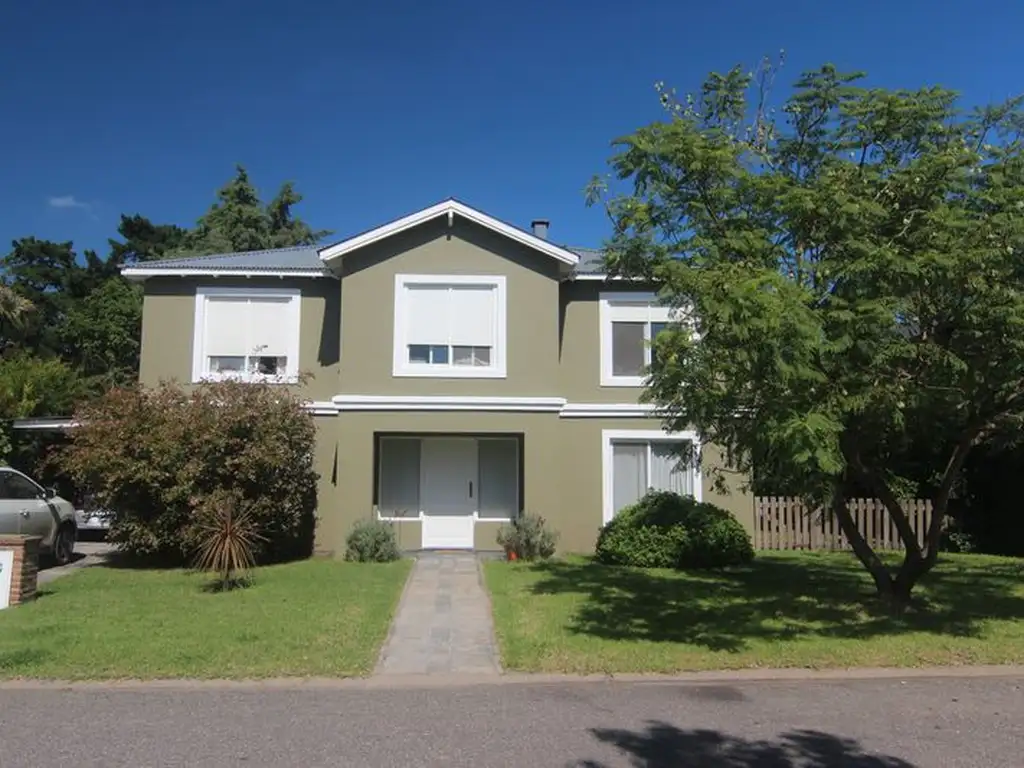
(450, 483)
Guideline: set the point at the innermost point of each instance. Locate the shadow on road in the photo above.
(664, 746)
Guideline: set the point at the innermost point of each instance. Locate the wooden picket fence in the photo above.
(786, 523)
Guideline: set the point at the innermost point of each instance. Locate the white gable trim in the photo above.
(449, 208)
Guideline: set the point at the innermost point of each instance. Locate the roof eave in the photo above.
(139, 274)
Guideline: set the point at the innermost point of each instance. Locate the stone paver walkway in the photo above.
(443, 624)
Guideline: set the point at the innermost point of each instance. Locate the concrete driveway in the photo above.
(87, 553)
(951, 723)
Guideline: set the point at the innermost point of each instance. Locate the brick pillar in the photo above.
(25, 567)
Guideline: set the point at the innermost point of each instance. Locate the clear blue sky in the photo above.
(376, 109)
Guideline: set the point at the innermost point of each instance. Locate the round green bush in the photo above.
(372, 541)
(666, 530)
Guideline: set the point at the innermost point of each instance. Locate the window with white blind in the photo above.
(450, 326)
(629, 324)
(636, 461)
(250, 334)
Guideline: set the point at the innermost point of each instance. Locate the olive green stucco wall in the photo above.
(168, 319)
(355, 472)
(368, 306)
(580, 364)
(562, 466)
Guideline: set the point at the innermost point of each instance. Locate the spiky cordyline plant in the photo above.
(227, 537)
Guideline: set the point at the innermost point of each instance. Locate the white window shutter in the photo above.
(629, 478)
(498, 462)
(667, 472)
(474, 315)
(270, 324)
(399, 477)
(427, 314)
(226, 326)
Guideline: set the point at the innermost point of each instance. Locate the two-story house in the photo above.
(461, 371)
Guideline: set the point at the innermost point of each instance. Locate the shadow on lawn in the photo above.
(665, 746)
(775, 599)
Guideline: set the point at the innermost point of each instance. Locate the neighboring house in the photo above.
(463, 371)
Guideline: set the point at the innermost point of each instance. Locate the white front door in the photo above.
(448, 491)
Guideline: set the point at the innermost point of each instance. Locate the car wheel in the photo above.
(64, 545)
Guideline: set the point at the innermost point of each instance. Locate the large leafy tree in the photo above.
(142, 240)
(51, 277)
(103, 333)
(239, 221)
(848, 277)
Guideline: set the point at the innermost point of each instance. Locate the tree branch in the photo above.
(882, 490)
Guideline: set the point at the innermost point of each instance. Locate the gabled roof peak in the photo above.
(450, 208)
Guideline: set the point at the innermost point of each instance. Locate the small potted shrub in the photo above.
(527, 538)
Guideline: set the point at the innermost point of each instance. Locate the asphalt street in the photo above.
(952, 723)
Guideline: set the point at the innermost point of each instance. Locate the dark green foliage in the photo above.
(32, 386)
(152, 455)
(372, 541)
(625, 542)
(104, 330)
(666, 530)
(239, 221)
(845, 270)
(528, 537)
(142, 240)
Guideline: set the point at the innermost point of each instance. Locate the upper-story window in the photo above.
(250, 334)
(450, 326)
(629, 323)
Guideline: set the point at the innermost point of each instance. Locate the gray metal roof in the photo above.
(300, 258)
(306, 258)
(591, 261)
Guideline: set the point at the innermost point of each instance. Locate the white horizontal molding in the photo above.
(608, 410)
(451, 208)
(446, 403)
(321, 408)
(141, 273)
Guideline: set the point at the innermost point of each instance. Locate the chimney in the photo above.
(540, 228)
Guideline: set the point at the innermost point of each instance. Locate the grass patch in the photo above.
(783, 610)
(310, 618)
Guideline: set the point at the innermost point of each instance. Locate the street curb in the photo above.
(765, 676)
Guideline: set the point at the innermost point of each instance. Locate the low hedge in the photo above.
(666, 530)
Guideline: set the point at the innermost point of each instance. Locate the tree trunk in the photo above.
(917, 563)
(869, 558)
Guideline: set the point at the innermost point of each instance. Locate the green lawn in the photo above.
(784, 610)
(311, 618)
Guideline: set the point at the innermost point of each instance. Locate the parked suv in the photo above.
(28, 508)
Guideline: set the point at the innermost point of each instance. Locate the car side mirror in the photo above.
(49, 493)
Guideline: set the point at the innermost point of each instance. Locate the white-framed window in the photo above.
(634, 461)
(450, 326)
(251, 334)
(629, 323)
(402, 480)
